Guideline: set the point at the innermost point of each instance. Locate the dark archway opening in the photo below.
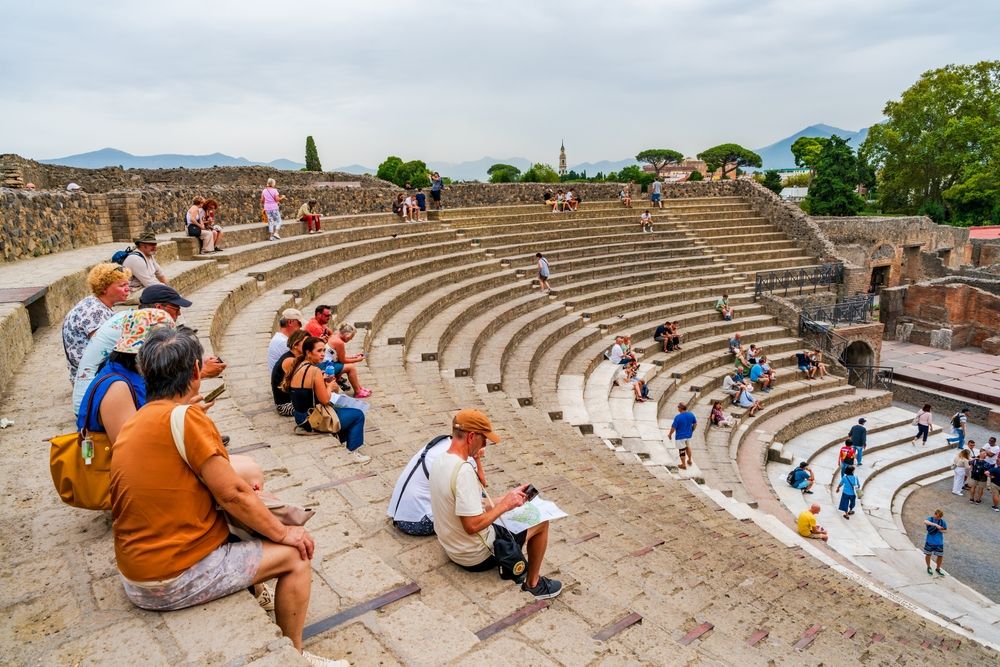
(879, 279)
(859, 353)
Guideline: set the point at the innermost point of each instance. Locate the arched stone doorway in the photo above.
(859, 353)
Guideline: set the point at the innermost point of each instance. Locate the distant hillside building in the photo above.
(679, 172)
(562, 158)
(794, 195)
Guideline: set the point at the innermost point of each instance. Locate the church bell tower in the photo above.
(562, 158)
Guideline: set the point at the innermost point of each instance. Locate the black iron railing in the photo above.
(822, 336)
(798, 279)
(870, 377)
(852, 310)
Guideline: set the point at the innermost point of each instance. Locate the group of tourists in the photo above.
(201, 224)
(563, 201)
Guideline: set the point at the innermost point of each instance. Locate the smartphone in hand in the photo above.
(215, 393)
(530, 493)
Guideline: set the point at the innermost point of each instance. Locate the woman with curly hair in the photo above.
(109, 284)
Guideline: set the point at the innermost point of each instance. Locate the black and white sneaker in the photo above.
(546, 588)
(344, 384)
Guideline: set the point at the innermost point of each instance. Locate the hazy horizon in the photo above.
(463, 81)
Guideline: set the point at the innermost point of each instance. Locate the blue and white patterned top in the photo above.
(80, 323)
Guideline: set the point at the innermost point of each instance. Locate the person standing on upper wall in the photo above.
(437, 185)
(270, 201)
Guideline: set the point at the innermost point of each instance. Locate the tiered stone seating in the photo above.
(709, 588)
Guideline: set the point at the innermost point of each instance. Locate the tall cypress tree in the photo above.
(312, 156)
(832, 190)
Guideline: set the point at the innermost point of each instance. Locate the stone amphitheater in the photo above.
(662, 566)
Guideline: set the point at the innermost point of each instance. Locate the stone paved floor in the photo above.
(969, 367)
(972, 537)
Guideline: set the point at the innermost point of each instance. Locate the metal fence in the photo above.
(870, 377)
(792, 279)
(823, 337)
(852, 310)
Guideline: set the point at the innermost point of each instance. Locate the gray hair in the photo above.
(347, 329)
(167, 360)
(270, 182)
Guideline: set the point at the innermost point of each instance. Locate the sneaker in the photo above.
(971, 500)
(363, 393)
(807, 491)
(344, 384)
(266, 598)
(271, 237)
(939, 572)
(545, 590)
(996, 509)
(930, 572)
(363, 459)
(277, 235)
(319, 661)
(311, 231)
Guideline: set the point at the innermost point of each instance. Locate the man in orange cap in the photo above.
(464, 528)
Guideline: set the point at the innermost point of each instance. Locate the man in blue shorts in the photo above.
(683, 426)
(656, 193)
(802, 478)
(934, 542)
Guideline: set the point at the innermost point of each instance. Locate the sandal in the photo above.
(362, 393)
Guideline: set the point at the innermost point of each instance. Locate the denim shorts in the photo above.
(228, 569)
(933, 549)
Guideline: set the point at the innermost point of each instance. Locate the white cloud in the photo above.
(454, 81)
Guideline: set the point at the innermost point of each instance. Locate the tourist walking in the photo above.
(270, 201)
(543, 272)
(851, 488)
(683, 426)
(656, 193)
(924, 424)
(959, 424)
(934, 542)
(859, 439)
(960, 466)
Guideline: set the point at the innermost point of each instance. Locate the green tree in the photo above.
(387, 170)
(540, 173)
(413, 172)
(939, 146)
(798, 181)
(806, 151)
(695, 176)
(312, 156)
(503, 173)
(832, 191)
(728, 157)
(658, 158)
(772, 181)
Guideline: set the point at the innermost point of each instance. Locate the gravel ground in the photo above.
(972, 543)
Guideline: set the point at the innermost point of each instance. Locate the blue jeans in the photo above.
(352, 425)
(958, 439)
(858, 451)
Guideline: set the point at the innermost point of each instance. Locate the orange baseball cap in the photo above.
(474, 421)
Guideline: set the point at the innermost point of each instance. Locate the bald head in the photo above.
(814, 508)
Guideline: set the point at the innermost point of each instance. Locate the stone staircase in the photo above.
(658, 570)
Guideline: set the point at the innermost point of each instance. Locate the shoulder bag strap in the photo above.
(177, 416)
(423, 455)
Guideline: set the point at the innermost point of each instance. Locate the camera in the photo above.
(530, 493)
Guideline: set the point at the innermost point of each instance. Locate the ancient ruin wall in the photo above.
(943, 314)
(40, 223)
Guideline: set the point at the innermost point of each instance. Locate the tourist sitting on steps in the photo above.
(309, 214)
(338, 361)
(183, 557)
(211, 207)
(639, 388)
(747, 400)
(197, 228)
(718, 416)
(802, 478)
(291, 321)
(804, 364)
(282, 399)
(118, 390)
(724, 309)
(308, 387)
(807, 525)
(142, 263)
(759, 375)
(410, 505)
(732, 385)
(108, 283)
(817, 361)
(464, 528)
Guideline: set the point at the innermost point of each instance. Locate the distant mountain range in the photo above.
(775, 156)
(112, 157)
(779, 154)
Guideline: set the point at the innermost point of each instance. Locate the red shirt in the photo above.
(314, 328)
(846, 452)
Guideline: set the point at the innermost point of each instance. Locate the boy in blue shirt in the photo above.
(934, 543)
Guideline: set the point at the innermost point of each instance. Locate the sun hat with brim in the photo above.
(137, 325)
(474, 421)
(146, 237)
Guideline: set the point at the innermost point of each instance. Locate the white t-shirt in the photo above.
(992, 453)
(277, 347)
(415, 502)
(144, 270)
(447, 507)
(616, 354)
(645, 217)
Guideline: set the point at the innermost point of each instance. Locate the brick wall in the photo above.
(39, 223)
(944, 314)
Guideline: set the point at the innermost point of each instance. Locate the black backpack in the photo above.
(956, 421)
(791, 477)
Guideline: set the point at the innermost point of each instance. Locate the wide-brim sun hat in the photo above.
(137, 325)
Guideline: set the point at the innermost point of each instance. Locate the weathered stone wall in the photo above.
(788, 218)
(15, 331)
(39, 223)
(942, 314)
(912, 248)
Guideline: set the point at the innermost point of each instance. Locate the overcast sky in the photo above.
(454, 81)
